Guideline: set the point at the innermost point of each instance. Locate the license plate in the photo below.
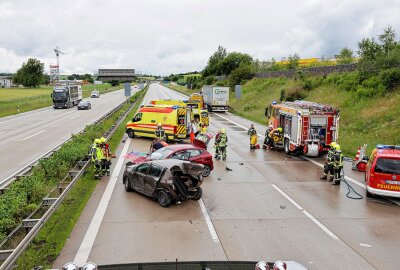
(392, 182)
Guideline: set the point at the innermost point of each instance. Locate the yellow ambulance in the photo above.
(174, 119)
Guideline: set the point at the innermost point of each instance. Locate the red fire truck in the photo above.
(307, 126)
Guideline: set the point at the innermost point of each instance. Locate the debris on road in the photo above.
(228, 169)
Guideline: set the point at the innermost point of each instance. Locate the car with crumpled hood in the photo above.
(168, 181)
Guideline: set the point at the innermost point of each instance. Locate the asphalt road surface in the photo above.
(269, 207)
(25, 137)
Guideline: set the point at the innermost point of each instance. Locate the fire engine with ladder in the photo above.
(307, 126)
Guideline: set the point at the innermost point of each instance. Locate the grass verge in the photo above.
(48, 244)
(181, 89)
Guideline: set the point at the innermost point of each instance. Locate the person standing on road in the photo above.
(197, 124)
(337, 165)
(328, 166)
(97, 156)
(160, 132)
(106, 161)
(253, 136)
(193, 131)
(267, 138)
(203, 128)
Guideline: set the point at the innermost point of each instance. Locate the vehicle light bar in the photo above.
(384, 146)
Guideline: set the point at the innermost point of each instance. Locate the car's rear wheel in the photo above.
(199, 194)
(206, 171)
(164, 199)
(127, 185)
(131, 133)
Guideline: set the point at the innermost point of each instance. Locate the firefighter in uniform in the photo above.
(328, 166)
(337, 165)
(276, 136)
(203, 128)
(97, 156)
(267, 138)
(221, 143)
(160, 132)
(106, 161)
(253, 136)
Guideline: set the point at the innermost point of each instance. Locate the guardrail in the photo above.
(34, 225)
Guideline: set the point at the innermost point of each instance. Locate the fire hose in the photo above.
(350, 189)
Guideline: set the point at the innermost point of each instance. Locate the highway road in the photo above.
(269, 207)
(25, 137)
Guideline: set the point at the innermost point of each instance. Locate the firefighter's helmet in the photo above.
(97, 141)
(279, 129)
(103, 140)
(337, 147)
(223, 131)
(159, 124)
(333, 145)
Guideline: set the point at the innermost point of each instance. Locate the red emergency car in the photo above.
(382, 176)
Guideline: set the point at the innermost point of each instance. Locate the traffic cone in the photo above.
(358, 154)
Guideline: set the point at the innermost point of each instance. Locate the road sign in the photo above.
(127, 89)
(238, 91)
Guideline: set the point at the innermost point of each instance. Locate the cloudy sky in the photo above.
(172, 36)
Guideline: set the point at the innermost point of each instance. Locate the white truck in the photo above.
(216, 98)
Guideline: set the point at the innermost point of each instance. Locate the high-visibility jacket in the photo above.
(338, 159)
(97, 153)
(203, 129)
(222, 140)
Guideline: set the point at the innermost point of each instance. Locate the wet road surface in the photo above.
(268, 207)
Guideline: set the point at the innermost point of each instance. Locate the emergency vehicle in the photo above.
(382, 176)
(174, 119)
(195, 105)
(307, 126)
(199, 97)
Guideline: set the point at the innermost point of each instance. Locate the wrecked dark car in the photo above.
(168, 181)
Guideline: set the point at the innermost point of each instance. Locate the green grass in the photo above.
(370, 120)
(29, 99)
(181, 89)
(47, 245)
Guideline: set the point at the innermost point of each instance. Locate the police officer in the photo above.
(160, 132)
(97, 156)
(328, 166)
(337, 165)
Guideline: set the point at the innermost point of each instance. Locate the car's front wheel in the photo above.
(130, 133)
(164, 199)
(206, 171)
(127, 185)
(199, 194)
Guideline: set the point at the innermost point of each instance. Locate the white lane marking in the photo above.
(365, 245)
(210, 225)
(235, 123)
(313, 219)
(74, 116)
(24, 116)
(33, 135)
(90, 236)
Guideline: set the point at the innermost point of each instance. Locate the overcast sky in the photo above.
(172, 36)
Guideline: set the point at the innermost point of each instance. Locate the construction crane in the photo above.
(55, 69)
